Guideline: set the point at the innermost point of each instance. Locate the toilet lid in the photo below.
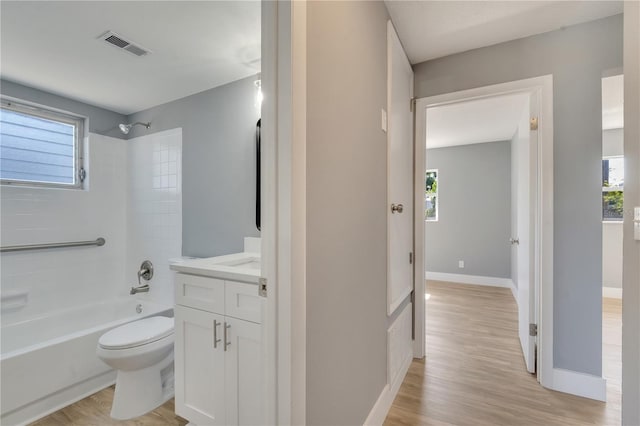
(137, 333)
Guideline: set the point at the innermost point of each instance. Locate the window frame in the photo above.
(436, 171)
(80, 124)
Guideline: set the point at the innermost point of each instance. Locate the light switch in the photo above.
(636, 223)
(384, 120)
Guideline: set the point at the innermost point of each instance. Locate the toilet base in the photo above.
(141, 391)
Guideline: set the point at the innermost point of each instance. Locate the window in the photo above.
(40, 147)
(431, 195)
(612, 188)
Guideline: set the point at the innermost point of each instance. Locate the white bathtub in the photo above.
(50, 362)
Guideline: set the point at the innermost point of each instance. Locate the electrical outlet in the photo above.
(461, 264)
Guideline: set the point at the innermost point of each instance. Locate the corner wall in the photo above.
(346, 210)
(218, 146)
(576, 56)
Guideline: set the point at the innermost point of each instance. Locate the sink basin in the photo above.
(248, 262)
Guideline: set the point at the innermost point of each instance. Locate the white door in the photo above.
(243, 373)
(199, 361)
(524, 241)
(400, 172)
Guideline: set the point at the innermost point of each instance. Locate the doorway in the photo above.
(612, 224)
(533, 247)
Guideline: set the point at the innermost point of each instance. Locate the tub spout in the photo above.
(140, 289)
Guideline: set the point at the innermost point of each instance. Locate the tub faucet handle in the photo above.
(145, 271)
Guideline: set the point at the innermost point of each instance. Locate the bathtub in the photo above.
(50, 362)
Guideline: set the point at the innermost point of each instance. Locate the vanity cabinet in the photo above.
(218, 351)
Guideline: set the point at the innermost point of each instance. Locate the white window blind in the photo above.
(40, 147)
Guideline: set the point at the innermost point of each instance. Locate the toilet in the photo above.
(142, 354)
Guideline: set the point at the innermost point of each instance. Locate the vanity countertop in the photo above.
(243, 266)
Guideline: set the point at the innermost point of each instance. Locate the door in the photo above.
(524, 241)
(199, 360)
(399, 173)
(243, 373)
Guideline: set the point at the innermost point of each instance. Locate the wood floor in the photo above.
(474, 372)
(94, 411)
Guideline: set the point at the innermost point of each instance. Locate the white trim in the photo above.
(543, 88)
(283, 212)
(470, 279)
(273, 389)
(612, 292)
(580, 384)
(379, 412)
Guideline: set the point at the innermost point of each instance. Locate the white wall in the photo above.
(60, 278)
(612, 254)
(154, 209)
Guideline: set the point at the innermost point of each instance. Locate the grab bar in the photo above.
(98, 242)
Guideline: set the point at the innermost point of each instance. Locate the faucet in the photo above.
(145, 272)
(140, 289)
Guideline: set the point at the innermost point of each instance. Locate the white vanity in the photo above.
(218, 339)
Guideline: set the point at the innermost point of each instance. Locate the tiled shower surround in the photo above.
(132, 198)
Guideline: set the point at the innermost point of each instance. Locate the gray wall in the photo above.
(474, 210)
(577, 57)
(346, 210)
(101, 121)
(218, 156)
(631, 272)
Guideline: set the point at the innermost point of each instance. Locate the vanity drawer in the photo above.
(200, 292)
(243, 302)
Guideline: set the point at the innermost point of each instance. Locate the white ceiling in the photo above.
(196, 45)
(478, 121)
(432, 29)
(612, 102)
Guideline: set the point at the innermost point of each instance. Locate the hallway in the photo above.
(474, 371)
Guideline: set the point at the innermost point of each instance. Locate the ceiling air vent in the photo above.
(120, 42)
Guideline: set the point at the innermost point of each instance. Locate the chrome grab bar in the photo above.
(98, 242)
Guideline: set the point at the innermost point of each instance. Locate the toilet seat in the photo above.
(137, 333)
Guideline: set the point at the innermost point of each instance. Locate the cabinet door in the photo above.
(199, 367)
(243, 373)
(200, 292)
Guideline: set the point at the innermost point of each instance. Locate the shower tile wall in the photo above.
(154, 213)
(62, 278)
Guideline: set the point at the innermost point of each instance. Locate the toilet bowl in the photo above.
(142, 353)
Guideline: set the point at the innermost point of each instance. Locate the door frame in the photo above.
(283, 185)
(542, 87)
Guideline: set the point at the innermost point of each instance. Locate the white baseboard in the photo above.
(612, 292)
(379, 412)
(580, 384)
(470, 279)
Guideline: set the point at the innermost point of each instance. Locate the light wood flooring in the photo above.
(94, 411)
(474, 372)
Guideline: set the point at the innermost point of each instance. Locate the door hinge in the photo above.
(82, 174)
(533, 123)
(410, 258)
(262, 287)
(412, 104)
(533, 330)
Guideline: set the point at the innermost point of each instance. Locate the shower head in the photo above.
(125, 128)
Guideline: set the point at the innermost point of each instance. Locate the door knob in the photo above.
(514, 240)
(397, 208)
